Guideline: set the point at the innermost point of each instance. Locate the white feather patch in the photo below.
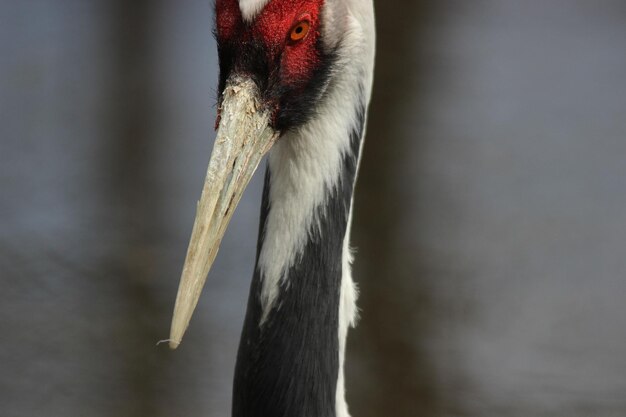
(348, 315)
(251, 8)
(305, 164)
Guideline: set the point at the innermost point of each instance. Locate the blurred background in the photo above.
(490, 217)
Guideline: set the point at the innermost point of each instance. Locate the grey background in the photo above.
(490, 219)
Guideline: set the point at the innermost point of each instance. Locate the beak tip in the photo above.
(176, 335)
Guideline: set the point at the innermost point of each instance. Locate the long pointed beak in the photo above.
(243, 137)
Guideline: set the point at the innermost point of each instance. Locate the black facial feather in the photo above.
(291, 104)
(297, 104)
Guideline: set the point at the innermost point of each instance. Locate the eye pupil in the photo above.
(299, 30)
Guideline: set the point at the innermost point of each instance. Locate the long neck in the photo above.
(291, 351)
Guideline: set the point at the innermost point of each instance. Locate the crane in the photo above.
(295, 83)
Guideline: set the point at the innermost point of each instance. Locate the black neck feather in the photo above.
(289, 366)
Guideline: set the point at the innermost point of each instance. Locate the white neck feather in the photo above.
(306, 164)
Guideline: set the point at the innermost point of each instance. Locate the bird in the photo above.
(295, 81)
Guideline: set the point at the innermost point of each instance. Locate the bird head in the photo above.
(278, 59)
(281, 50)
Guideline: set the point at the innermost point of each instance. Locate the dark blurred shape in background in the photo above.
(490, 220)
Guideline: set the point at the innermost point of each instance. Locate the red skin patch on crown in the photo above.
(229, 19)
(272, 28)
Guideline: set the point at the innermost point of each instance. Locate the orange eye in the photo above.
(300, 30)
